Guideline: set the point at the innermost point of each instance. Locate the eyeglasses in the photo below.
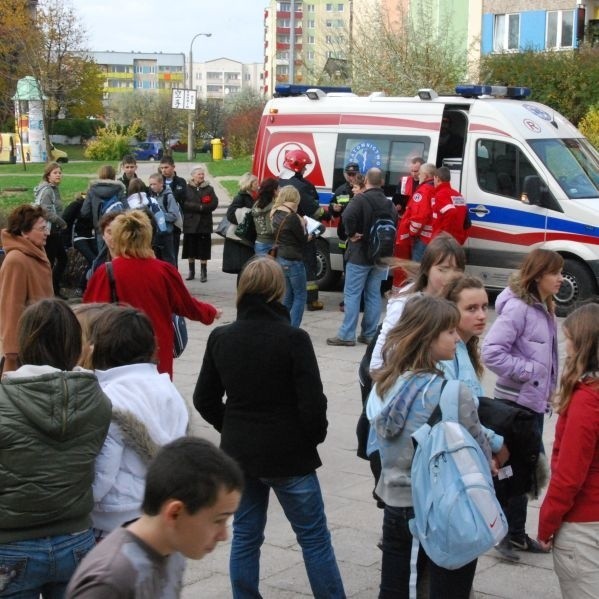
(41, 228)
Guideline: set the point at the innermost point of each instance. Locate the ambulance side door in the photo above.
(504, 226)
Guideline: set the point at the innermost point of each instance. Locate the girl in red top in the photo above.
(569, 517)
(146, 283)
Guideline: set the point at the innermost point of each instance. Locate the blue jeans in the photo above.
(361, 278)
(418, 248)
(295, 289)
(301, 500)
(41, 566)
(261, 249)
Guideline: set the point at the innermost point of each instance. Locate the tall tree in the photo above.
(419, 49)
(15, 24)
(53, 52)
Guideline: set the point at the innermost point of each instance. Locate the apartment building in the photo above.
(308, 41)
(300, 36)
(221, 77)
(517, 25)
(128, 71)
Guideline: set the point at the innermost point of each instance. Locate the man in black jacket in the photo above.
(361, 273)
(178, 186)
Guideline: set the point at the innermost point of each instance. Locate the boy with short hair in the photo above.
(192, 490)
(129, 169)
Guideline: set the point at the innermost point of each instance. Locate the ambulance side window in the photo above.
(501, 168)
(392, 154)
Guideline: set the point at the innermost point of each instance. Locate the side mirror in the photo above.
(533, 190)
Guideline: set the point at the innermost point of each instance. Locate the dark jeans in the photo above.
(517, 506)
(89, 250)
(57, 256)
(395, 572)
(164, 249)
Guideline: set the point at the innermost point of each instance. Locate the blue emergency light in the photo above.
(497, 91)
(285, 90)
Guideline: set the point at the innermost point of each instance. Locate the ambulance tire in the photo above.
(578, 285)
(326, 277)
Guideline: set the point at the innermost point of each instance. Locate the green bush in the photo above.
(565, 81)
(86, 128)
(110, 144)
(589, 125)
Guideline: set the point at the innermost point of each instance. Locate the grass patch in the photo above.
(231, 185)
(36, 169)
(69, 188)
(75, 152)
(230, 168)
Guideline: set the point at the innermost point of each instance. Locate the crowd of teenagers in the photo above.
(103, 491)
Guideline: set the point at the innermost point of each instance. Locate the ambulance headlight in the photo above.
(315, 93)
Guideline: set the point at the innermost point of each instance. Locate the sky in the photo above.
(237, 27)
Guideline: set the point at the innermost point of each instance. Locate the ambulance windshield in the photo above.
(573, 163)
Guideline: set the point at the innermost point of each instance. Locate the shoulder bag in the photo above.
(180, 336)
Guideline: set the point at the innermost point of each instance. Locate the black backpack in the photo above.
(517, 427)
(381, 233)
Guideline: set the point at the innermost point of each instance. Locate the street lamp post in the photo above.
(190, 140)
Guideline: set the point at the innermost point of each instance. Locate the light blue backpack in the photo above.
(456, 514)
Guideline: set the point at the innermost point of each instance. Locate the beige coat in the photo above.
(25, 278)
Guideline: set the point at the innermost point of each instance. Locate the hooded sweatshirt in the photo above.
(395, 417)
(52, 426)
(25, 278)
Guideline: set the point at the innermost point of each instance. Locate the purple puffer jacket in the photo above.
(521, 348)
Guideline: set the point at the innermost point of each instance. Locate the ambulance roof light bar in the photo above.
(286, 90)
(496, 91)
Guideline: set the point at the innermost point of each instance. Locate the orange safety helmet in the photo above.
(296, 160)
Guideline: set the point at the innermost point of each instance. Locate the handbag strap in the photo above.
(280, 227)
(110, 272)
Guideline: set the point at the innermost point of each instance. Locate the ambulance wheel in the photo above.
(578, 285)
(326, 277)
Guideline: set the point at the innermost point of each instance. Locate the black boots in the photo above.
(192, 272)
(203, 273)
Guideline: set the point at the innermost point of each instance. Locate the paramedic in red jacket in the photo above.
(449, 209)
(415, 228)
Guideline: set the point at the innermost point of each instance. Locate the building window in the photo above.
(311, 54)
(283, 70)
(283, 23)
(284, 6)
(282, 39)
(329, 22)
(311, 39)
(311, 24)
(506, 34)
(329, 8)
(283, 55)
(560, 29)
(310, 7)
(340, 7)
(329, 39)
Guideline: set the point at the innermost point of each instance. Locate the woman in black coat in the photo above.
(237, 251)
(200, 203)
(273, 419)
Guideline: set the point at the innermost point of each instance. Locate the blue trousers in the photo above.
(41, 566)
(301, 500)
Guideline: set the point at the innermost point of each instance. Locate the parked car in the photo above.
(148, 150)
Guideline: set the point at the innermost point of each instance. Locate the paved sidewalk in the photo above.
(354, 520)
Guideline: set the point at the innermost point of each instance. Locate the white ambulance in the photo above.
(530, 178)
